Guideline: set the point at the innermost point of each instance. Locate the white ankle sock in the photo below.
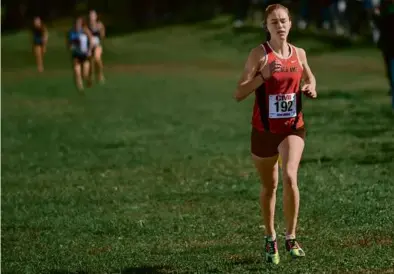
(290, 237)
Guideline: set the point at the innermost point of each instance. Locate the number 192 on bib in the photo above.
(282, 106)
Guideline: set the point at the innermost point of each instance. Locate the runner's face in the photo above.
(37, 22)
(93, 15)
(279, 24)
(79, 24)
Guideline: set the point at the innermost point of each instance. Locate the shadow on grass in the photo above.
(243, 260)
(147, 269)
(144, 269)
(67, 272)
(251, 263)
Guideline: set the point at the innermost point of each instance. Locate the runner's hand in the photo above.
(309, 90)
(268, 70)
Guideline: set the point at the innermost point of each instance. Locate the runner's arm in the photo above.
(102, 30)
(90, 37)
(250, 78)
(307, 75)
(45, 35)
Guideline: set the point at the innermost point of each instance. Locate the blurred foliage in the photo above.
(136, 13)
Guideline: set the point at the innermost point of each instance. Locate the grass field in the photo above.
(151, 173)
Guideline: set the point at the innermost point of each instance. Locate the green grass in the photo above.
(151, 173)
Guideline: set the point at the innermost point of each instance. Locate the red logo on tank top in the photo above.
(284, 97)
(289, 69)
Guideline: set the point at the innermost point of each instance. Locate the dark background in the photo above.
(130, 14)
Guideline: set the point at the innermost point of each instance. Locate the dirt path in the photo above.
(354, 64)
(211, 67)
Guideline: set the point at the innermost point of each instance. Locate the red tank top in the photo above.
(278, 107)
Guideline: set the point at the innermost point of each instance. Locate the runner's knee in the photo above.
(290, 175)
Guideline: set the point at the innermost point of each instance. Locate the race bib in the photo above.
(282, 106)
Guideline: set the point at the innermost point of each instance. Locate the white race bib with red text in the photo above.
(282, 106)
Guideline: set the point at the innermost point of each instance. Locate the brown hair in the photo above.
(272, 8)
(42, 26)
(80, 17)
(268, 11)
(97, 15)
